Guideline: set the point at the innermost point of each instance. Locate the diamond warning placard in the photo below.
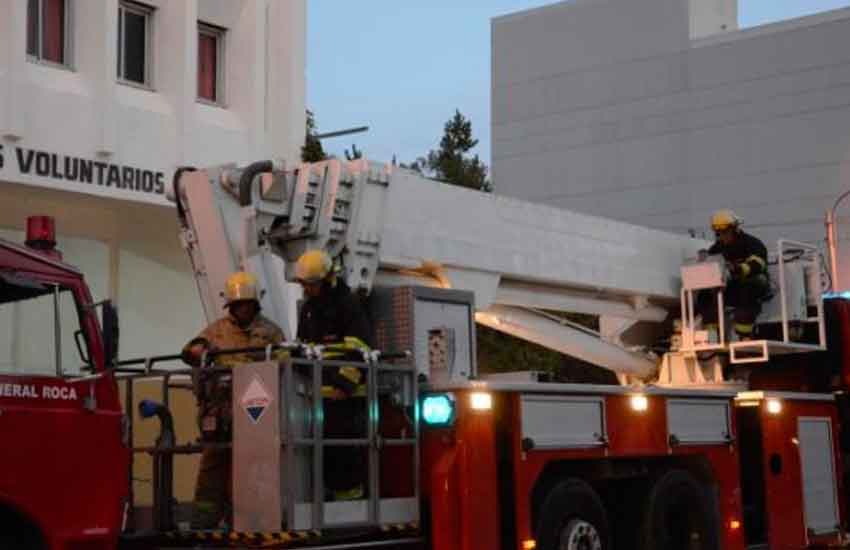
(255, 400)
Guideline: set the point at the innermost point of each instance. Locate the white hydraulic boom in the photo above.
(389, 226)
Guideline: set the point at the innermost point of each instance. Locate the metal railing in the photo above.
(298, 403)
(759, 350)
(813, 259)
(688, 313)
(315, 443)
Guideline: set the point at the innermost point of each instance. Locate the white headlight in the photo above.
(639, 403)
(481, 401)
(774, 406)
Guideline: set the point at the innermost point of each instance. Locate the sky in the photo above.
(402, 67)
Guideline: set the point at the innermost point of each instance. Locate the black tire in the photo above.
(22, 540)
(18, 533)
(571, 510)
(680, 514)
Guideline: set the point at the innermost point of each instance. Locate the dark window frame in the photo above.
(60, 295)
(38, 56)
(147, 13)
(219, 35)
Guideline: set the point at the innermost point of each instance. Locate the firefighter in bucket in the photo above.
(748, 285)
(242, 327)
(332, 316)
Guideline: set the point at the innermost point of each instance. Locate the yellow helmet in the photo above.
(724, 219)
(240, 286)
(313, 266)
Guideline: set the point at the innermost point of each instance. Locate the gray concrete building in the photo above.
(658, 112)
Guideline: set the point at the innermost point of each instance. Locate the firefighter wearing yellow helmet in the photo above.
(242, 327)
(313, 267)
(748, 285)
(331, 313)
(333, 316)
(724, 219)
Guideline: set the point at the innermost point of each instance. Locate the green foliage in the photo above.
(312, 150)
(500, 352)
(451, 163)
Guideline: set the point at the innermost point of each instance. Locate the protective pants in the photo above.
(213, 490)
(345, 467)
(744, 295)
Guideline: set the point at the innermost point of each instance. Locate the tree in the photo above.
(312, 150)
(501, 352)
(451, 163)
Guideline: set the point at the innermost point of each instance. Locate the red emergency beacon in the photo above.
(41, 236)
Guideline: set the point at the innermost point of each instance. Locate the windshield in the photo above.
(38, 323)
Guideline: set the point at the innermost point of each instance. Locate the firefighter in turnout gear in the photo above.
(332, 316)
(243, 327)
(748, 284)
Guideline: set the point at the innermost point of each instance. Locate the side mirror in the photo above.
(110, 333)
(80, 340)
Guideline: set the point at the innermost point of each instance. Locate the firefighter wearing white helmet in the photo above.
(333, 316)
(748, 285)
(242, 327)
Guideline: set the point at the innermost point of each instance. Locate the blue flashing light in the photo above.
(438, 409)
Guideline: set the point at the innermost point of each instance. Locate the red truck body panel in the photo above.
(783, 491)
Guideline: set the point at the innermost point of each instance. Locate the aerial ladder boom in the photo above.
(390, 227)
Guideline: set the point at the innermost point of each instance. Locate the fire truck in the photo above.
(695, 442)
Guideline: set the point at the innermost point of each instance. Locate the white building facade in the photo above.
(101, 100)
(658, 112)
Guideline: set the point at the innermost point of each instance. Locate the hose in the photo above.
(163, 465)
(247, 179)
(175, 184)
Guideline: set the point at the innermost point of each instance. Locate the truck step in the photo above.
(384, 536)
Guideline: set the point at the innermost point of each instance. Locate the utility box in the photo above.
(436, 325)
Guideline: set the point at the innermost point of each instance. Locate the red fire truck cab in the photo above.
(64, 458)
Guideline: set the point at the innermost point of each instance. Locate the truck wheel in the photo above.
(573, 518)
(20, 541)
(679, 515)
(17, 533)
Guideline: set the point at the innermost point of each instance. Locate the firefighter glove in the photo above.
(741, 270)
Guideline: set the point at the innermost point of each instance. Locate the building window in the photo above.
(210, 63)
(48, 31)
(135, 27)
